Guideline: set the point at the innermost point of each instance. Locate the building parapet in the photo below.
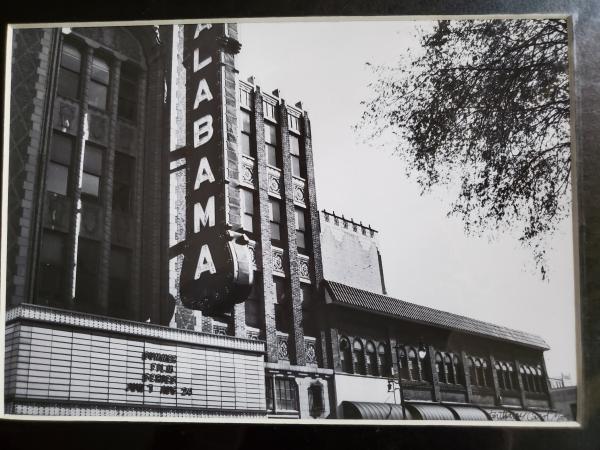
(348, 224)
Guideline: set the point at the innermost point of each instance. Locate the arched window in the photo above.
(540, 377)
(359, 357)
(513, 377)
(372, 365)
(449, 369)
(482, 367)
(346, 355)
(384, 360)
(413, 365)
(316, 403)
(499, 375)
(524, 379)
(473, 371)
(403, 360)
(458, 370)
(439, 368)
(510, 377)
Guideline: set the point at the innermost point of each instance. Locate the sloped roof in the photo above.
(382, 304)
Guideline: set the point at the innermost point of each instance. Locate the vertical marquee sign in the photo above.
(216, 270)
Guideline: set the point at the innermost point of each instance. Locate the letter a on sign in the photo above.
(205, 262)
(204, 173)
(203, 130)
(203, 93)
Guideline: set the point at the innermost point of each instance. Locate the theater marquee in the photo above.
(216, 271)
(69, 361)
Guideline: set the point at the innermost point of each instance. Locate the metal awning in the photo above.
(373, 411)
(552, 416)
(424, 411)
(468, 413)
(499, 414)
(526, 416)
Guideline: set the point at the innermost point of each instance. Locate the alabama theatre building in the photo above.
(166, 255)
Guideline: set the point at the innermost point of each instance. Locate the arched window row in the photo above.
(532, 377)
(507, 375)
(448, 367)
(364, 359)
(412, 367)
(479, 371)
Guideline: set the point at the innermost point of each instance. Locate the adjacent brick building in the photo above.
(97, 227)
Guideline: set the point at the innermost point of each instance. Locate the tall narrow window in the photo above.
(88, 262)
(359, 357)
(286, 394)
(271, 145)
(499, 375)
(118, 283)
(372, 366)
(57, 173)
(439, 368)
(449, 369)
(123, 182)
(128, 93)
(473, 372)
(300, 229)
(316, 404)
(52, 264)
(458, 370)
(92, 171)
(404, 364)
(275, 219)
(70, 72)
(413, 365)
(346, 355)
(246, 134)
(295, 155)
(248, 210)
(98, 86)
(384, 360)
(512, 375)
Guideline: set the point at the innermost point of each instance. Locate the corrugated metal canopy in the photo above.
(468, 412)
(526, 416)
(426, 411)
(348, 296)
(499, 414)
(373, 411)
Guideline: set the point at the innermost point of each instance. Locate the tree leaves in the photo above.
(486, 103)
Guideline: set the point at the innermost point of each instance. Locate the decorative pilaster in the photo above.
(466, 376)
(264, 247)
(298, 350)
(435, 386)
(521, 384)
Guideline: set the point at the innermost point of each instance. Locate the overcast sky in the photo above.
(426, 256)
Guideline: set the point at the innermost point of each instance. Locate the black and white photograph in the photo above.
(329, 220)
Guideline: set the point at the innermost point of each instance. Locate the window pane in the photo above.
(279, 290)
(88, 254)
(272, 155)
(68, 83)
(300, 224)
(100, 70)
(71, 58)
(274, 213)
(92, 161)
(56, 178)
(52, 248)
(294, 145)
(275, 232)
(62, 148)
(97, 94)
(301, 240)
(119, 283)
(246, 125)
(296, 166)
(90, 184)
(270, 134)
(245, 144)
(248, 202)
(128, 93)
(306, 296)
